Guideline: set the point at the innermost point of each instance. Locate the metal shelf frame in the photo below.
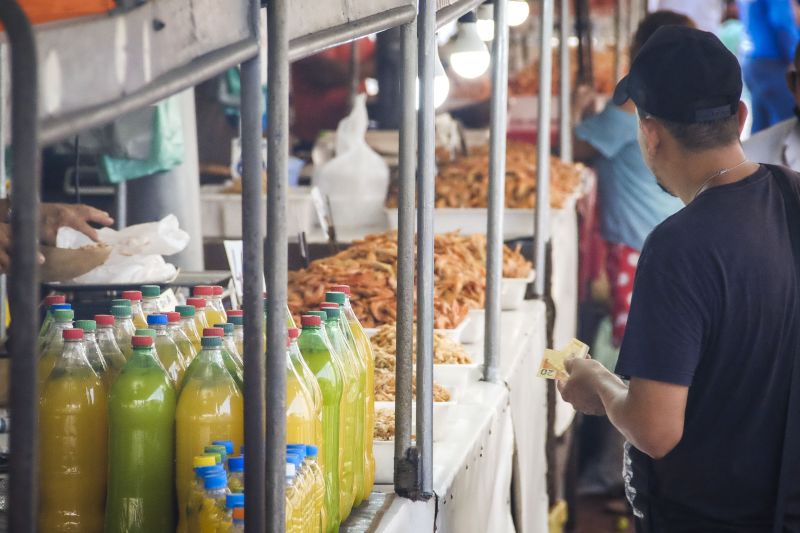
(41, 114)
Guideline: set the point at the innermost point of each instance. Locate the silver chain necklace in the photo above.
(714, 176)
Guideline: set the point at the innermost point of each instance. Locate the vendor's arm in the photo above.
(78, 217)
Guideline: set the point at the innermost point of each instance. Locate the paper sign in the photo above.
(552, 366)
(234, 251)
(321, 209)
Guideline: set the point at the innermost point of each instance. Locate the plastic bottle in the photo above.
(151, 300)
(124, 328)
(176, 333)
(210, 406)
(300, 414)
(167, 350)
(238, 520)
(310, 381)
(215, 311)
(310, 516)
(54, 343)
(316, 352)
(294, 495)
(362, 341)
(348, 420)
(227, 444)
(49, 302)
(231, 365)
(236, 474)
(212, 511)
(290, 498)
(93, 354)
(232, 502)
(203, 465)
(73, 436)
(335, 325)
(220, 451)
(200, 319)
(236, 317)
(107, 342)
(302, 485)
(319, 488)
(139, 318)
(229, 342)
(141, 445)
(189, 326)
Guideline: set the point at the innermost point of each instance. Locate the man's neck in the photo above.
(697, 168)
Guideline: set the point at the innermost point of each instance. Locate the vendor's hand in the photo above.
(5, 249)
(584, 102)
(579, 388)
(77, 217)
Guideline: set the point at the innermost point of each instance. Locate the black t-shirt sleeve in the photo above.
(664, 335)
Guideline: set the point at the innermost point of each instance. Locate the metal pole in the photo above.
(619, 46)
(277, 244)
(121, 202)
(405, 478)
(3, 188)
(24, 271)
(355, 72)
(542, 230)
(253, 305)
(565, 85)
(497, 195)
(426, 35)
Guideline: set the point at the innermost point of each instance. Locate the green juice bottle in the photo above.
(141, 448)
(316, 351)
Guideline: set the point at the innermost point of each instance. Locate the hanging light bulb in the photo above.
(518, 11)
(468, 54)
(485, 22)
(441, 83)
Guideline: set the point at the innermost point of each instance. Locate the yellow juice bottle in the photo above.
(300, 416)
(167, 350)
(236, 317)
(73, 433)
(310, 382)
(93, 353)
(54, 342)
(107, 341)
(178, 336)
(215, 303)
(210, 406)
(215, 312)
(362, 341)
(189, 326)
(123, 327)
(135, 297)
(312, 460)
(200, 319)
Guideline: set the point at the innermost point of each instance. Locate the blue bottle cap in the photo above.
(157, 320)
(234, 500)
(203, 471)
(227, 443)
(294, 459)
(297, 449)
(55, 307)
(236, 464)
(227, 328)
(311, 451)
(215, 481)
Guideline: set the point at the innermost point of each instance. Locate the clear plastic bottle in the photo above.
(227, 444)
(310, 381)
(312, 453)
(73, 435)
(229, 342)
(300, 414)
(236, 317)
(135, 297)
(203, 465)
(232, 502)
(219, 450)
(54, 343)
(124, 328)
(93, 353)
(167, 350)
(236, 474)
(185, 346)
(231, 365)
(294, 517)
(188, 324)
(215, 312)
(151, 300)
(307, 484)
(212, 511)
(238, 520)
(107, 341)
(200, 318)
(49, 302)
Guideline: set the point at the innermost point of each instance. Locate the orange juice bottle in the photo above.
(166, 349)
(188, 324)
(151, 300)
(124, 328)
(107, 342)
(72, 443)
(184, 344)
(135, 297)
(236, 317)
(310, 381)
(210, 406)
(362, 341)
(54, 343)
(200, 319)
(49, 302)
(92, 350)
(300, 416)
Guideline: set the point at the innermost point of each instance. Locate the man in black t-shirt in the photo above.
(712, 332)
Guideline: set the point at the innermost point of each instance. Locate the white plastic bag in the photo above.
(357, 179)
(136, 251)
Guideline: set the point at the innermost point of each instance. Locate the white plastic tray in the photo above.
(512, 291)
(477, 323)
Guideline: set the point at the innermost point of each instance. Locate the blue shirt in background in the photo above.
(771, 27)
(631, 203)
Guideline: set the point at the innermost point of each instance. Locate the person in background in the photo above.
(52, 216)
(712, 339)
(772, 37)
(706, 14)
(780, 144)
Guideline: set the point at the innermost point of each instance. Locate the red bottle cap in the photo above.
(294, 333)
(341, 288)
(104, 320)
(134, 296)
(203, 290)
(213, 332)
(234, 312)
(217, 290)
(310, 320)
(172, 316)
(329, 305)
(73, 334)
(198, 303)
(140, 341)
(54, 299)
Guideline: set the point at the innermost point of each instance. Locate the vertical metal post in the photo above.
(542, 230)
(24, 272)
(497, 187)
(405, 478)
(619, 39)
(426, 42)
(3, 188)
(253, 259)
(355, 72)
(565, 85)
(121, 202)
(277, 244)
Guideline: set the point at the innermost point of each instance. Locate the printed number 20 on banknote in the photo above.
(552, 366)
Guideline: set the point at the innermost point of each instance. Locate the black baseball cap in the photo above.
(683, 75)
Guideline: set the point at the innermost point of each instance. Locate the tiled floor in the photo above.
(602, 515)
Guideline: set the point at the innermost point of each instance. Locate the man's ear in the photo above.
(742, 115)
(651, 133)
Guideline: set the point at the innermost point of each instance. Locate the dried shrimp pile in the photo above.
(385, 387)
(384, 424)
(446, 351)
